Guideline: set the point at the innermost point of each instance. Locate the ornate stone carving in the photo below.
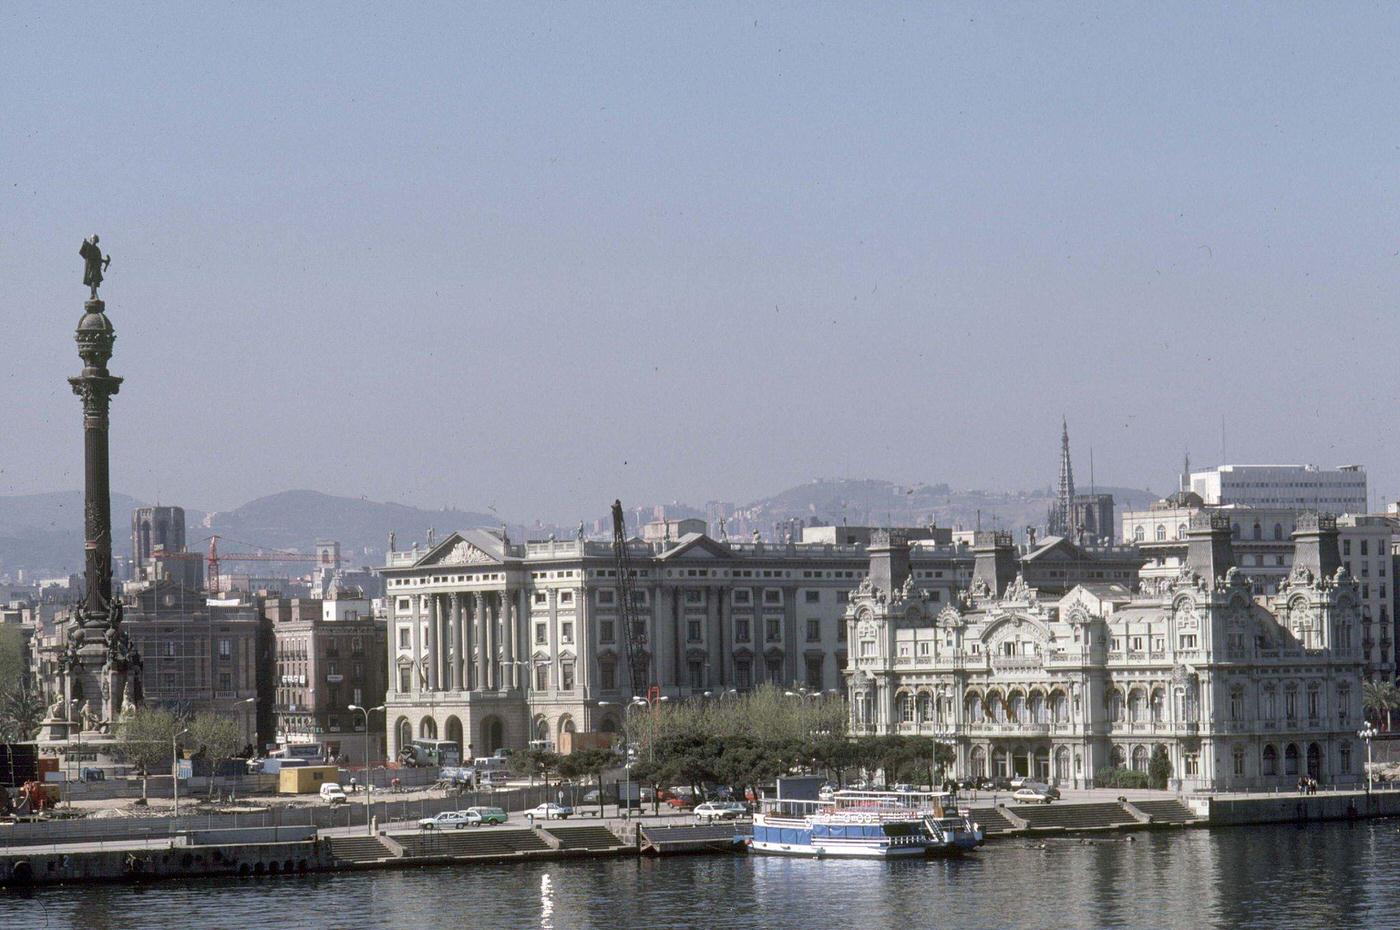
(464, 553)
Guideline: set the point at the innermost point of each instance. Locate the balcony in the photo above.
(1017, 663)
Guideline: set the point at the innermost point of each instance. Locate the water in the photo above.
(1324, 876)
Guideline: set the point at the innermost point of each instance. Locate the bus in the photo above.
(431, 752)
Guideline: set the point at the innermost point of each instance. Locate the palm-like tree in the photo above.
(1380, 697)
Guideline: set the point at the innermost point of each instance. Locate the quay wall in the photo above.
(1294, 808)
(25, 867)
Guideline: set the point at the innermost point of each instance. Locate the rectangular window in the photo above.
(774, 629)
(541, 598)
(841, 631)
(743, 596)
(694, 597)
(867, 649)
(405, 637)
(405, 679)
(225, 649)
(607, 676)
(843, 597)
(607, 597)
(743, 675)
(606, 632)
(696, 669)
(692, 631)
(741, 630)
(566, 678)
(814, 672)
(814, 631)
(924, 648)
(541, 634)
(542, 677)
(566, 597)
(772, 596)
(225, 681)
(566, 633)
(813, 597)
(1188, 641)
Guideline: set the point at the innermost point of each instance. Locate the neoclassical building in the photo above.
(1243, 691)
(496, 644)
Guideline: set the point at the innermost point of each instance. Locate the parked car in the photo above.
(548, 811)
(1019, 781)
(1032, 796)
(904, 786)
(1048, 790)
(488, 815)
(456, 819)
(680, 802)
(711, 811)
(332, 793)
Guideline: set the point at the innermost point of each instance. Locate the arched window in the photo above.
(1239, 761)
(1314, 760)
(1059, 706)
(1235, 531)
(906, 707)
(1116, 757)
(427, 729)
(1115, 706)
(972, 708)
(1278, 531)
(1344, 758)
(978, 762)
(1062, 763)
(1181, 531)
(1270, 761)
(1237, 703)
(1135, 706)
(1138, 534)
(1159, 700)
(1258, 530)
(1139, 758)
(1290, 759)
(1018, 707)
(925, 707)
(1161, 533)
(1037, 708)
(1343, 703)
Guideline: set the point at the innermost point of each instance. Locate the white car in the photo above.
(457, 819)
(332, 793)
(1032, 796)
(720, 810)
(549, 811)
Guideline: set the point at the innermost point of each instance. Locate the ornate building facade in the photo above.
(1243, 691)
(497, 644)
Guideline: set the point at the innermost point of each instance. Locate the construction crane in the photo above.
(635, 631)
(214, 559)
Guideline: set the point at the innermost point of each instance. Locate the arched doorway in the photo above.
(1140, 758)
(1062, 764)
(539, 732)
(1000, 763)
(1290, 760)
(427, 728)
(493, 735)
(566, 725)
(978, 762)
(453, 734)
(1042, 763)
(403, 734)
(1314, 760)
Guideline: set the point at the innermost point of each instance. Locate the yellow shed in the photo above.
(306, 779)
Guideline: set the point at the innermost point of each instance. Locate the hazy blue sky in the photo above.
(543, 256)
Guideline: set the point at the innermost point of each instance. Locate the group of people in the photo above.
(1307, 784)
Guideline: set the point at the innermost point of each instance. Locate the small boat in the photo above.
(861, 824)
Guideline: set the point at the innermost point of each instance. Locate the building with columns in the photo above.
(1244, 691)
(497, 644)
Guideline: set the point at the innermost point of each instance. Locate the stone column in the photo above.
(493, 635)
(416, 679)
(434, 643)
(508, 639)
(456, 602)
(468, 640)
(479, 609)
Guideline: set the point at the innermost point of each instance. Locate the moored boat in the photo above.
(862, 824)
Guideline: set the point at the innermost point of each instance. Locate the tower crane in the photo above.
(635, 631)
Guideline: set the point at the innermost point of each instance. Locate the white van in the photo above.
(332, 793)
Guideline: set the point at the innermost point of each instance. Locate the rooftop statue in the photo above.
(94, 263)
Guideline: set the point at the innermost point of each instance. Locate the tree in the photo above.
(21, 712)
(590, 763)
(1159, 767)
(534, 763)
(145, 739)
(217, 736)
(1380, 698)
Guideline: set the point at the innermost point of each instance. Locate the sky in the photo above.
(538, 256)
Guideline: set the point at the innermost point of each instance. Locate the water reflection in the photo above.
(1334, 875)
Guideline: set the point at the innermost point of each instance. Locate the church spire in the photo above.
(1063, 524)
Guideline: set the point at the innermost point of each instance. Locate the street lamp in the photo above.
(369, 826)
(175, 764)
(1367, 733)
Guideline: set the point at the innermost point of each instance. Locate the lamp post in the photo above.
(369, 825)
(175, 768)
(1367, 733)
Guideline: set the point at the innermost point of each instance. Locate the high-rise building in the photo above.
(1294, 487)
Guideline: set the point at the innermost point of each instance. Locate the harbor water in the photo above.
(1319, 875)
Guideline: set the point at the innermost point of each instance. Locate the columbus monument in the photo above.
(101, 669)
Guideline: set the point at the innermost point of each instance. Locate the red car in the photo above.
(680, 803)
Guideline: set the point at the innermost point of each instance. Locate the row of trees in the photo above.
(21, 705)
(1379, 699)
(147, 736)
(745, 741)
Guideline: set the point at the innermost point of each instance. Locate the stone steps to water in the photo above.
(1075, 816)
(1168, 811)
(992, 821)
(358, 849)
(585, 838)
(471, 842)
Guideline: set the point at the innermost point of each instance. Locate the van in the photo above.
(332, 793)
(493, 778)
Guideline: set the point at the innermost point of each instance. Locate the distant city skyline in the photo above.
(526, 258)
